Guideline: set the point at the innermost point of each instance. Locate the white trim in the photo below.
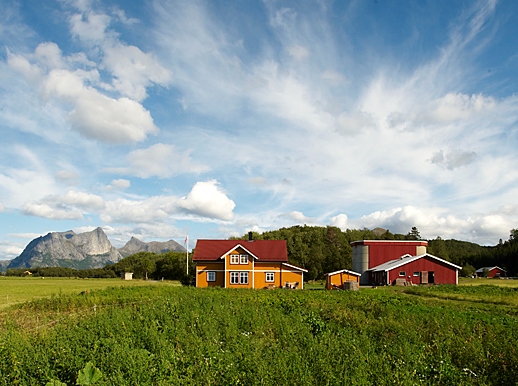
(208, 276)
(480, 270)
(343, 271)
(266, 277)
(295, 267)
(393, 264)
(232, 255)
(234, 248)
(232, 276)
(198, 271)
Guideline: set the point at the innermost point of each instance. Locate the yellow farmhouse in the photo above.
(245, 264)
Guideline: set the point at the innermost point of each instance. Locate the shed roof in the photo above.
(405, 259)
(343, 271)
(261, 250)
(480, 270)
(294, 267)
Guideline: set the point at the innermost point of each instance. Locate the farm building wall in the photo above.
(259, 275)
(338, 279)
(424, 271)
(371, 253)
(202, 274)
(496, 272)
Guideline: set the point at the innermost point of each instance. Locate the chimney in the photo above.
(250, 236)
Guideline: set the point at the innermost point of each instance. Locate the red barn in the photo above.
(368, 254)
(420, 269)
(492, 272)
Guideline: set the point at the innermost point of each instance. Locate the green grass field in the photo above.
(142, 333)
(16, 290)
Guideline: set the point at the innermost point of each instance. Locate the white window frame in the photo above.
(211, 276)
(402, 273)
(234, 259)
(270, 277)
(234, 277)
(417, 274)
(243, 259)
(243, 277)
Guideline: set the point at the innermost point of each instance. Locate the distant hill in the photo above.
(134, 245)
(4, 264)
(68, 249)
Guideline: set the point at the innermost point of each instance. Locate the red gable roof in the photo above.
(263, 250)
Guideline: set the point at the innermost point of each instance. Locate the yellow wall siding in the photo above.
(249, 285)
(201, 275)
(244, 267)
(291, 277)
(338, 279)
(256, 274)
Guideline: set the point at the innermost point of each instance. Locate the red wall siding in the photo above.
(494, 271)
(380, 253)
(443, 274)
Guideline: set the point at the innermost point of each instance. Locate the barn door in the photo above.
(424, 277)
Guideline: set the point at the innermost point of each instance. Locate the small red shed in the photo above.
(420, 269)
(492, 272)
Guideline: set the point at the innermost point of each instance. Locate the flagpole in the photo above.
(187, 253)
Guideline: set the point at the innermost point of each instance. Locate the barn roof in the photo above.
(480, 270)
(260, 250)
(343, 271)
(405, 259)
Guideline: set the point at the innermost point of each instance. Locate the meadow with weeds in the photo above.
(159, 335)
(16, 290)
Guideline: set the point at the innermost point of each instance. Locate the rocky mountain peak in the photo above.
(68, 249)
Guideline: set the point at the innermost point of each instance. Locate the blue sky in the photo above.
(159, 119)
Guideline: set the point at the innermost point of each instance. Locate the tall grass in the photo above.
(164, 336)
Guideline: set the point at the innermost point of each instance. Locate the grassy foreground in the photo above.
(16, 290)
(158, 335)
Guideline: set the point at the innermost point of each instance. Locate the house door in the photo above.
(431, 277)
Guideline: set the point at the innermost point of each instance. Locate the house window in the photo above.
(270, 277)
(417, 274)
(234, 259)
(243, 277)
(244, 259)
(402, 273)
(234, 277)
(211, 276)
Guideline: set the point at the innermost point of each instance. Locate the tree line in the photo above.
(318, 249)
(326, 249)
(144, 265)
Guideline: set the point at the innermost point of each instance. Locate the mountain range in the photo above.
(83, 250)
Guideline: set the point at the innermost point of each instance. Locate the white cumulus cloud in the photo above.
(39, 209)
(207, 199)
(160, 160)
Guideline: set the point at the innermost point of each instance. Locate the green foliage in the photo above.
(414, 234)
(437, 335)
(89, 375)
(55, 383)
(467, 270)
(99, 273)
